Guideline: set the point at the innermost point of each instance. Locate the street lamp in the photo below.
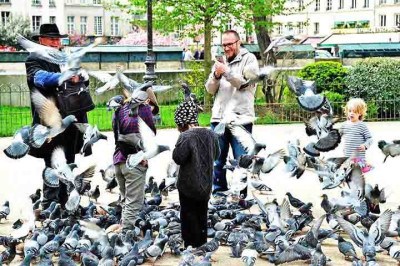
(150, 57)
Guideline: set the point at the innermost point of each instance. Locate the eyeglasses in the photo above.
(225, 45)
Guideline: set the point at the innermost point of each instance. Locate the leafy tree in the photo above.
(15, 25)
(195, 16)
(329, 76)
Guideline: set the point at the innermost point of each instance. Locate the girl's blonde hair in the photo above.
(358, 106)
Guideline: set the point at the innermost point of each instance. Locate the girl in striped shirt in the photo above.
(357, 138)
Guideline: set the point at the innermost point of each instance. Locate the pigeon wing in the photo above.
(377, 231)
(355, 233)
(102, 76)
(48, 111)
(244, 137)
(58, 159)
(148, 136)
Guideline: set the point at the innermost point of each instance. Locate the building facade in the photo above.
(80, 17)
(324, 17)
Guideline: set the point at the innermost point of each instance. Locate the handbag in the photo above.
(73, 98)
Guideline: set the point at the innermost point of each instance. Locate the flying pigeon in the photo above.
(52, 122)
(306, 93)
(20, 144)
(150, 147)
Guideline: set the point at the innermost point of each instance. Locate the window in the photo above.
(52, 19)
(300, 25)
(301, 4)
(83, 1)
(329, 5)
(366, 3)
(36, 22)
(280, 29)
(229, 25)
(70, 24)
(397, 20)
(353, 4)
(289, 28)
(5, 16)
(382, 20)
(96, 2)
(316, 28)
(4, 1)
(381, 2)
(52, 3)
(36, 2)
(341, 4)
(98, 25)
(317, 5)
(114, 26)
(83, 25)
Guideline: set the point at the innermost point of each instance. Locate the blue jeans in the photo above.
(219, 178)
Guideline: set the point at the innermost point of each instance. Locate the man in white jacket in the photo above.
(231, 100)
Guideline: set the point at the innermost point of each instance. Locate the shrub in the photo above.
(329, 76)
(195, 78)
(375, 79)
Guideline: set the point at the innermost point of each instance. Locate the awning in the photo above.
(296, 48)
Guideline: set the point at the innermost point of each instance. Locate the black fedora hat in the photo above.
(49, 30)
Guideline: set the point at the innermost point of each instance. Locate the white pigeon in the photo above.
(150, 147)
(70, 63)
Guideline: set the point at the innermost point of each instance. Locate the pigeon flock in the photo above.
(254, 229)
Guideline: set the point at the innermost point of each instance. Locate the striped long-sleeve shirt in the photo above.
(355, 134)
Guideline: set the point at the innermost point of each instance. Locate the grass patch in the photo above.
(13, 118)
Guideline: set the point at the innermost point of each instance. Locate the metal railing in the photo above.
(13, 117)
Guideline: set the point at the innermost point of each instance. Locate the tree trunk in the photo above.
(263, 42)
(207, 56)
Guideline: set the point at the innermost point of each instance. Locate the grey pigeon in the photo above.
(296, 160)
(279, 41)
(246, 140)
(110, 82)
(389, 149)
(5, 210)
(347, 249)
(306, 93)
(20, 144)
(109, 177)
(189, 96)
(151, 148)
(254, 75)
(115, 102)
(50, 117)
(375, 196)
(91, 135)
(368, 240)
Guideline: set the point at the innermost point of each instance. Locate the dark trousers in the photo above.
(193, 221)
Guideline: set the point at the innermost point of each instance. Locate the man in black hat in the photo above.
(43, 76)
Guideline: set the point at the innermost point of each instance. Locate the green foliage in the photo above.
(195, 78)
(376, 79)
(329, 76)
(373, 110)
(15, 25)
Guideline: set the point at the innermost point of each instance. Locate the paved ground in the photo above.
(20, 178)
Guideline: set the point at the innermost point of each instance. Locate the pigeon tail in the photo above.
(50, 177)
(134, 159)
(16, 150)
(38, 135)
